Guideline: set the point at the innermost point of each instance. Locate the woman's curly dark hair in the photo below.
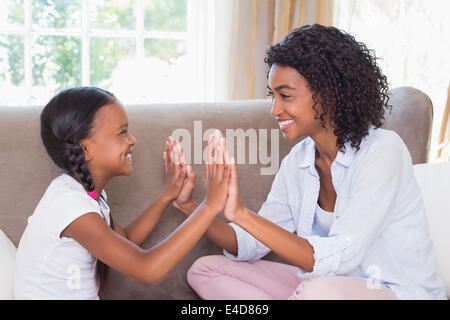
(343, 75)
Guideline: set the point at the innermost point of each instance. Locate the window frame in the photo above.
(199, 39)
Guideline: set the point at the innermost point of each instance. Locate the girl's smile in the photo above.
(128, 154)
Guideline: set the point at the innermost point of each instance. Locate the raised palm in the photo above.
(233, 204)
(187, 188)
(185, 194)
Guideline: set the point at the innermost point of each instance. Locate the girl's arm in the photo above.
(150, 266)
(176, 171)
(153, 265)
(140, 228)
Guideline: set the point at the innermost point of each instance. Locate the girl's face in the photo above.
(292, 103)
(108, 149)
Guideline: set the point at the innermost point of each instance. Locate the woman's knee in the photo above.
(203, 267)
(317, 289)
(339, 288)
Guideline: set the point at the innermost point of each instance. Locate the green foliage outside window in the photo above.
(56, 14)
(167, 15)
(113, 14)
(14, 46)
(57, 58)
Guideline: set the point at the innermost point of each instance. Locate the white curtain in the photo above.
(256, 24)
(443, 149)
(411, 38)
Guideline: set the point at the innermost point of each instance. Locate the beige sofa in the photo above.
(26, 171)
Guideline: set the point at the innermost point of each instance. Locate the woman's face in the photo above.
(108, 149)
(292, 103)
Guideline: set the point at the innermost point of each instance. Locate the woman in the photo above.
(347, 190)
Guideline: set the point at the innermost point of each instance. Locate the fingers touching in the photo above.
(217, 162)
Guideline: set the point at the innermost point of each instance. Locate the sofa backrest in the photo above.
(412, 119)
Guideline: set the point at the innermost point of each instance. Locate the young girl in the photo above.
(71, 234)
(347, 190)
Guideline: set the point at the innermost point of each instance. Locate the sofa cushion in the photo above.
(7, 262)
(434, 181)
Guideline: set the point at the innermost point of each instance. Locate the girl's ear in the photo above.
(87, 155)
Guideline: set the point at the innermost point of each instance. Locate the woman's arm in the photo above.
(287, 245)
(292, 248)
(219, 232)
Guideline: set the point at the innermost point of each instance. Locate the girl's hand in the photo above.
(218, 173)
(175, 170)
(185, 195)
(233, 205)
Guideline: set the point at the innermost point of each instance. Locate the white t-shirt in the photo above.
(50, 267)
(324, 219)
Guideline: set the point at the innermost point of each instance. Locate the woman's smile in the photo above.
(285, 124)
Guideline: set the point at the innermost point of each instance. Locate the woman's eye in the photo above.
(284, 96)
(124, 131)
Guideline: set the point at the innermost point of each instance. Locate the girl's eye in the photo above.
(284, 96)
(124, 131)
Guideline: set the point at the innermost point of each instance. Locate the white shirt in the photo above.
(50, 267)
(380, 232)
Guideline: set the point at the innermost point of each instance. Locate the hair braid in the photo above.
(78, 166)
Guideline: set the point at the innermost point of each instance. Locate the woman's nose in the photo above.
(276, 110)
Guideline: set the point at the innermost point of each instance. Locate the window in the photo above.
(141, 50)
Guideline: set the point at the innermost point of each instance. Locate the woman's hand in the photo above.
(233, 206)
(175, 169)
(218, 173)
(185, 195)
